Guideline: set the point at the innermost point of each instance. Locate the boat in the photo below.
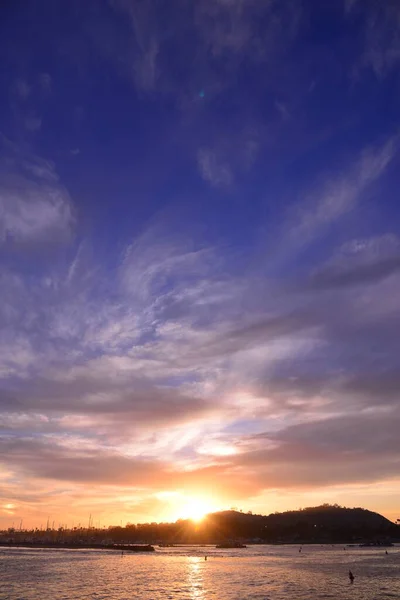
(166, 545)
(231, 545)
(378, 544)
(131, 547)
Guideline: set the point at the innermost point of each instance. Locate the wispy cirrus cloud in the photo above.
(309, 219)
(45, 82)
(381, 35)
(168, 370)
(35, 207)
(223, 30)
(144, 44)
(363, 261)
(213, 171)
(33, 123)
(21, 88)
(220, 39)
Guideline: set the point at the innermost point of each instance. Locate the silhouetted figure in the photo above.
(299, 549)
(386, 552)
(351, 577)
(205, 558)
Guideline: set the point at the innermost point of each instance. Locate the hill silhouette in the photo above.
(326, 523)
(320, 524)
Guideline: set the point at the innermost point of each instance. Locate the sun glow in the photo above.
(196, 508)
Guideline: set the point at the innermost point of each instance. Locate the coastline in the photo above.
(76, 546)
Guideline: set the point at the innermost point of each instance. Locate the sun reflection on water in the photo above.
(195, 577)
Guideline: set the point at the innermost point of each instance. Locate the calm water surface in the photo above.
(258, 572)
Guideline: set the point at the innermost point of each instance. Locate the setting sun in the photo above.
(196, 508)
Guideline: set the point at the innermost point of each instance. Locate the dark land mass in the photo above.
(78, 545)
(324, 524)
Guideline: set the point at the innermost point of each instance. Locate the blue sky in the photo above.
(200, 256)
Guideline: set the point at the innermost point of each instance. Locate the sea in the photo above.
(182, 573)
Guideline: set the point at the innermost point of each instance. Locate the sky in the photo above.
(199, 258)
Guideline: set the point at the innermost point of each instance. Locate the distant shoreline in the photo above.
(137, 548)
(51, 545)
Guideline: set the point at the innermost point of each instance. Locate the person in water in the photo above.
(351, 577)
(205, 558)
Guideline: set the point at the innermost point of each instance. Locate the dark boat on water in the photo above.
(166, 545)
(383, 544)
(231, 545)
(132, 547)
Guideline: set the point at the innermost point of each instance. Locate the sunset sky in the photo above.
(199, 257)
